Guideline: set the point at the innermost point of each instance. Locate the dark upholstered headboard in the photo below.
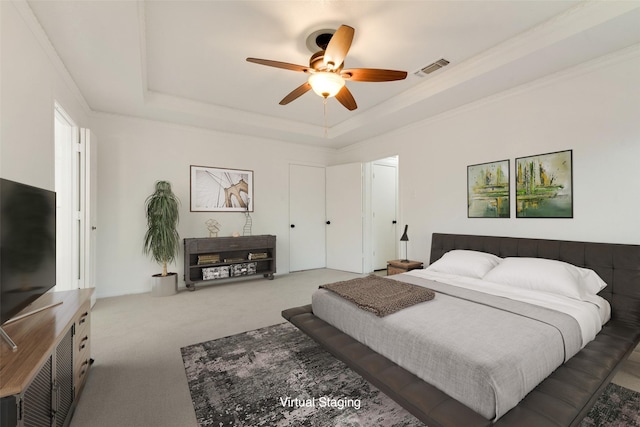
(617, 264)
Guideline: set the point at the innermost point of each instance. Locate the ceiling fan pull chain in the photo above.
(326, 128)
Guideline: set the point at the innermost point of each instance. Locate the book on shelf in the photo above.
(258, 255)
(233, 259)
(208, 259)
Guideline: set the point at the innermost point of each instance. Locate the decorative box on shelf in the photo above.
(243, 269)
(211, 273)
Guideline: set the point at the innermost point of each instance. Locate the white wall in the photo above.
(593, 109)
(32, 79)
(134, 154)
(30, 83)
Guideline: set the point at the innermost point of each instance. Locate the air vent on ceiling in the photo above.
(432, 67)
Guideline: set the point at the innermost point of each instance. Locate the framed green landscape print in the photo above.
(488, 190)
(544, 185)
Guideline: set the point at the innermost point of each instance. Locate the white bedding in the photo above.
(486, 358)
(590, 315)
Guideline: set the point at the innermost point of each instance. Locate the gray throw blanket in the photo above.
(380, 295)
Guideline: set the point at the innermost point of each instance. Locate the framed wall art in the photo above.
(221, 190)
(488, 190)
(544, 185)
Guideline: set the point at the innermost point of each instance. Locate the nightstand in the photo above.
(397, 266)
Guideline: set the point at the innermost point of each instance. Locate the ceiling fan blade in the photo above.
(296, 93)
(372, 75)
(346, 98)
(338, 47)
(278, 64)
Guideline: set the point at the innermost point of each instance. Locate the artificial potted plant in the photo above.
(161, 240)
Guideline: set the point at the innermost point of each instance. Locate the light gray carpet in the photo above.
(138, 378)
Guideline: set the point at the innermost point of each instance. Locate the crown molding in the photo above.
(99, 115)
(206, 110)
(621, 56)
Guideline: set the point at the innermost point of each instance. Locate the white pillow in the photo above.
(546, 275)
(591, 281)
(465, 263)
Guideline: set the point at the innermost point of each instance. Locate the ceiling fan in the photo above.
(327, 75)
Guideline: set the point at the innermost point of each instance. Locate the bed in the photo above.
(562, 398)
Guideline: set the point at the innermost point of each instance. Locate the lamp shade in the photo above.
(404, 237)
(326, 84)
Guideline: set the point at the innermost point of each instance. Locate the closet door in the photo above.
(306, 217)
(345, 218)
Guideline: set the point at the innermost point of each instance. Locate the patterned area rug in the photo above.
(277, 376)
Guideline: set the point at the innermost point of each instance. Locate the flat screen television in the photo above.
(27, 245)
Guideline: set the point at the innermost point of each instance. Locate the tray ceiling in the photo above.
(184, 61)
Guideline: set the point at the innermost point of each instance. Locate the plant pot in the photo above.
(163, 286)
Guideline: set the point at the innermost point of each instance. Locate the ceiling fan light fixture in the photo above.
(326, 84)
(327, 77)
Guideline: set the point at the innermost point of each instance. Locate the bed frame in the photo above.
(562, 399)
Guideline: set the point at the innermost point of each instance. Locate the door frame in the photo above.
(76, 187)
(368, 241)
(65, 137)
(367, 223)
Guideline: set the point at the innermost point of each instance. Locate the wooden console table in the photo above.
(207, 259)
(40, 383)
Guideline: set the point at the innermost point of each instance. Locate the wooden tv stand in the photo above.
(40, 383)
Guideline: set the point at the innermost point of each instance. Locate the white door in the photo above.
(383, 212)
(65, 141)
(70, 171)
(89, 141)
(344, 218)
(306, 217)
(79, 211)
(76, 203)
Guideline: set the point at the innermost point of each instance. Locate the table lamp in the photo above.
(405, 239)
